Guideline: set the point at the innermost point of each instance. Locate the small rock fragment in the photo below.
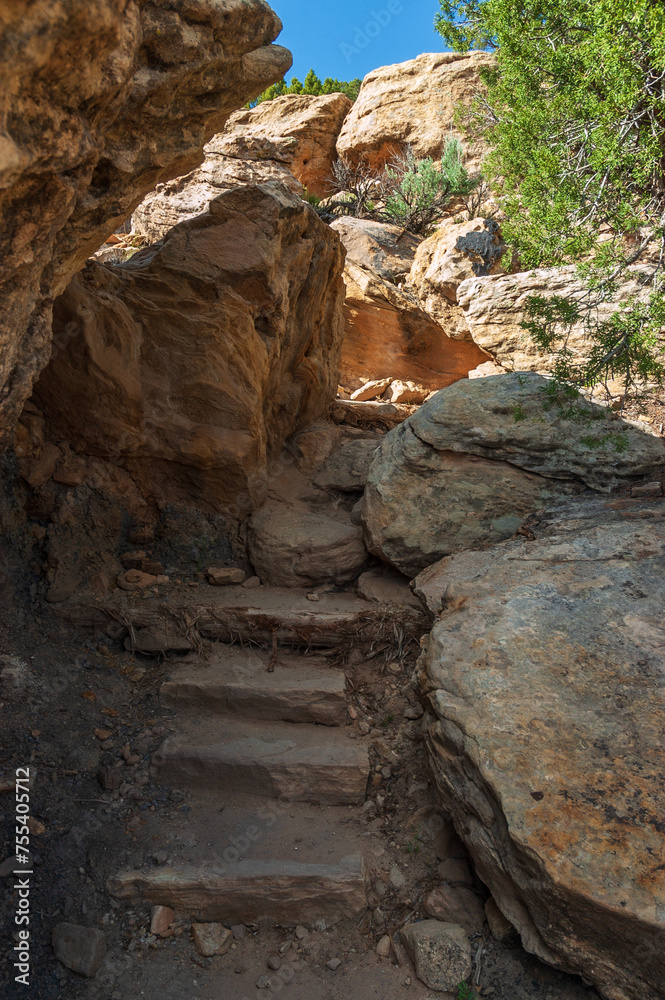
(252, 583)
(134, 579)
(396, 878)
(211, 939)
(440, 952)
(301, 932)
(646, 490)
(81, 949)
(384, 946)
(264, 983)
(161, 921)
(239, 931)
(334, 964)
(225, 576)
(371, 390)
(274, 963)
(413, 712)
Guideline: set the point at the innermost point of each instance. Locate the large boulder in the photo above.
(456, 252)
(413, 104)
(387, 333)
(192, 363)
(102, 100)
(544, 678)
(494, 308)
(290, 139)
(466, 468)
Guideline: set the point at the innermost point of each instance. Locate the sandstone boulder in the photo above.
(291, 546)
(412, 103)
(195, 360)
(347, 468)
(104, 100)
(466, 468)
(544, 678)
(494, 307)
(291, 139)
(457, 252)
(387, 334)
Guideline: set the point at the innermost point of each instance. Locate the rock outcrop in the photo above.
(412, 104)
(494, 308)
(387, 333)
(290, 139)
(101, 101)
(455, 253)
(194, 361)
(466, 468)
(545, 679)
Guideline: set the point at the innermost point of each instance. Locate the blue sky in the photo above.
(349, 38)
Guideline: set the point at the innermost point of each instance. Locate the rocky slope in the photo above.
(101, 101)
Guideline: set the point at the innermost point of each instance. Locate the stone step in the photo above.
(236, 681)
(267, 615)
(298, 763)
(282, 892)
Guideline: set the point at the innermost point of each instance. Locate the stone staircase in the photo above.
(262, 751)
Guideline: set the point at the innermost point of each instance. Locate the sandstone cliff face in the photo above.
(412, 103)
(100, 101)
(291, 139)
(194, 361)
(387, 333)
(544, 680)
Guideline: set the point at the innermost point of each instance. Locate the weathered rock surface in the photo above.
(387, 334)
(236, 682)
(466, 468)
(348, 467)
(412, 103)
(211, 939)
(283, 891)
(458, 905)
(386, 586)
(102, 101)
(494, 308)
(195, 360)
(440, 952)
(457, 252)
(378, 246)
(291, 139)
(296, 763)
(81, 949)
(291, 546)
(545, 680)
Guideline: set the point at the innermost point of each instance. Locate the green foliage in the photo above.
(312, 85)
(465, 992)
(574, 115)
(421, 190)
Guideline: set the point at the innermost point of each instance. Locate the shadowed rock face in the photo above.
(99, 101)
(194, 361)
(545, 678)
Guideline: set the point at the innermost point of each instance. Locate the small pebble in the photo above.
(274, 963)
(334, 964)
(301, 932)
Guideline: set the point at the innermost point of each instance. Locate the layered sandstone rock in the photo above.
(544, 679)
(494, 308)
(388, 336)
(466, 468)
(291, 139)
(412, 104)
(455, 253)
(101, 101)
(194, 361)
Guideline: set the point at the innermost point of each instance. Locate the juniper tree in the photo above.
(574, 113)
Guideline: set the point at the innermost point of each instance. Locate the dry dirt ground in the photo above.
(59, 685)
